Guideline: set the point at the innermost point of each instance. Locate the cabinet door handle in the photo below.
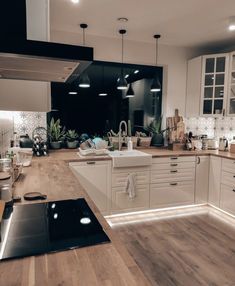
(174, 171)
(223, 111)
(90, 163)
(173, 184)
(174, 158)
(174, 165)
(198, 160)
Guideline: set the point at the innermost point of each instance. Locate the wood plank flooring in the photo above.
(190, 250)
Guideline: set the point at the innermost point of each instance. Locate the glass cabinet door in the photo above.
(231, 86)
(213, 84)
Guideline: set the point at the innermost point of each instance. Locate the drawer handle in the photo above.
(173, 184)
(90, 163)
(174, 165)
(174, 158)
(174, 171)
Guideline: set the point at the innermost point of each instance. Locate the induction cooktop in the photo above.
(40, 228)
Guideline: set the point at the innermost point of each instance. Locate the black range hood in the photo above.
(25, 59)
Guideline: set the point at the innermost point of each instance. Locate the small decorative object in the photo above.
(143, 139)
(72, 137)
(40, 141)
(56, 133)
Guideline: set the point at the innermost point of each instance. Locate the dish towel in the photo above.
(131, 185)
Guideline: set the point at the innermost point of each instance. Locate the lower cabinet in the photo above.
(171, 194)
(121, 201)
(214, 181)
(227, 199)
(202, 179)
(95, 177)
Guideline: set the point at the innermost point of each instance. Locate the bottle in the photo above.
(130, 145)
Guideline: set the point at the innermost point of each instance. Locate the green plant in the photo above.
(71, 135)
(55, 131)
(155, 127)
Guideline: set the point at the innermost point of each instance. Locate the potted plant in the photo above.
(56, 133)
(72, 137)
(154, 128)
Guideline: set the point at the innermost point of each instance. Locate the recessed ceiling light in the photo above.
(136, 71)
(73, 92)
(127, 75)
(85, 220)
(103, 94)
(75, 1)
(122, 19)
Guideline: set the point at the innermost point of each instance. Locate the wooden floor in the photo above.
(190, 250)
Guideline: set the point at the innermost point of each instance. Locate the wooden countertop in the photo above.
(106, 264)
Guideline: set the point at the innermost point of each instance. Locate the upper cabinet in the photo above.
(209, 86)
(231, 86)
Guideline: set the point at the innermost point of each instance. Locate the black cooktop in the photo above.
(40, 228)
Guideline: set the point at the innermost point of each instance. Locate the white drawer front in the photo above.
(161, 176)
(171, 194)
(173, 165)
(121, 200)
(227, 199)
(174, 159)
(228, 165)
(228, 178)
(120, 179)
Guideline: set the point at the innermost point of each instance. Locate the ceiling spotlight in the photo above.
(103, 94)
(231, 26)
(136, 71)
(127, 75)
(75, 1)
(122, 19)
(73, 92)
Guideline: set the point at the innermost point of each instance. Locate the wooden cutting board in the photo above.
(2, 205)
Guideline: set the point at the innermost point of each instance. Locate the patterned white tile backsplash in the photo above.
(213, 127)
(20, 122)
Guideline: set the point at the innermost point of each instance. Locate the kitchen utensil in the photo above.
(223, 144)
(32, 196)
(25, 141)
(6, 194)
(212, 144)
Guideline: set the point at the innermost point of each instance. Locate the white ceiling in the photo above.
(189, 23)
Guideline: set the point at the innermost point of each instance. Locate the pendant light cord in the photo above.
(156, 51)
(83, 37)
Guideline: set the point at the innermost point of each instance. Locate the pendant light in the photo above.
(84, 81)
(156, 86)
(122, 83)
(103, 92)
(130, 91)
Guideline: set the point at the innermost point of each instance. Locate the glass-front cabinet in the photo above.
(231, 86)
(214, 84)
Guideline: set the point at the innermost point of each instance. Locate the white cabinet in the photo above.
(25, 95)
(202, 179)
(231, 87)
(214, 181)
(172, 181)
(207, 86)
(95, 177)
(227, 199)
(120, 199)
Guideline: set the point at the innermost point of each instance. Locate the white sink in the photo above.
(132, 158)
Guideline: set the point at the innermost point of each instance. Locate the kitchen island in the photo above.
(106, 264)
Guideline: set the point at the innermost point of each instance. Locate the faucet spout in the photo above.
(120, 138)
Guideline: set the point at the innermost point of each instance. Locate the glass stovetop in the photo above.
(40, 228)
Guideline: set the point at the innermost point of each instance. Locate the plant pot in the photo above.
(157, 140)
(72, 144)
(55, 145)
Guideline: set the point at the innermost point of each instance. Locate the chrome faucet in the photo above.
(120, 139)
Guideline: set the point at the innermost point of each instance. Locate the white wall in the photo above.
(173, 59)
